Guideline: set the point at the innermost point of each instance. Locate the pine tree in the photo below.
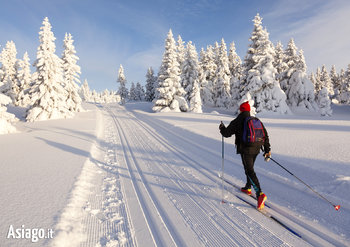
(84, 92)
(209, 67)
(345, 94)
(122, 91)
(291, 59)
(169, 94)
(132, 94)
(324, 102)
(190, 78)
(24, 78)
(236, 70)
(6, 119)
(279, 61)
(300, 92)
(71, 71)
(335, 79)
(259, 75)
(181, 52)
(8, 81)
(139, 92)
(151, 85)
(317, 81)
(326, 81)
(222, 82)
(48, 94)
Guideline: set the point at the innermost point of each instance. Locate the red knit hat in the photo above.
(244, 107)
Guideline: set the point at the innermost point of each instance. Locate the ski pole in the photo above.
(222, 168)
(336, 207)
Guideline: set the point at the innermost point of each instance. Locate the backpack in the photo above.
(253, 132)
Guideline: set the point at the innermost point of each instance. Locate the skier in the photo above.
(248, 153)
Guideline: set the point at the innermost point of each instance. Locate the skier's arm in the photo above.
(229, 130)
(267, 146)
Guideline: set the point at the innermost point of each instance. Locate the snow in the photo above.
(126, 176)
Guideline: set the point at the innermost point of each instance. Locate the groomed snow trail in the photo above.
(146, 184)
(169, 201)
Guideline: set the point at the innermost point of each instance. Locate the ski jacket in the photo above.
(236, 128)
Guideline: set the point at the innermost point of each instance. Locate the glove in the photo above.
(221, 126)
(267, 156)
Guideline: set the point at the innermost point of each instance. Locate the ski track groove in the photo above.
(207, 173)
(157, 238)
(106, 220)
(201, 226)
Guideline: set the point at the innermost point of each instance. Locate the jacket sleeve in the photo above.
(230, 129)
(267, 146)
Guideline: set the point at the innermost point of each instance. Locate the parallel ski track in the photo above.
(223, 223)
(132, 165)
(274, 210)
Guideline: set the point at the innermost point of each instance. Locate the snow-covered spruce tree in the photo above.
(279, 61)
(24, 78)
(151, 85)
(326, 80)
(8, 81)
(181, 51)
(139, 92)
(291, 59)
(208, 67)
(84, 92)
(132, 94)
(48, 94)
(259, 75)
(6, 119)
(345, 92)
(324, 102)
(335, 79)
(317, 81)
(301, 91)
(169, 94)
(122, 91)
(236, 70)
(222, 83)
(190, 78)
(71, 71)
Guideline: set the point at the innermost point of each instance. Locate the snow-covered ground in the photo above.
(125, 176)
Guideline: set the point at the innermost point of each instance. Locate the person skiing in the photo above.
(248, 152)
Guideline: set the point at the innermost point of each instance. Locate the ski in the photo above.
(263, 211)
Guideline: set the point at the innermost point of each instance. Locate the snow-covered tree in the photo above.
(236, 70)
(84, 92)
(324, 102)
(326, 80)
(335, 79)
(24, 78)
(122, 91)
(190, 78)
(170, 93)
(6, 119)
(317, 81)
(139, 92)
(48, 94)
(181, 51)
(259, 76)
(71, 71)
(345, 88)
(208, 65)
(222, 82)
(8, 81)
(132, 95)
(151, 85)
(279, 61)
(291, 59)
(301, 91)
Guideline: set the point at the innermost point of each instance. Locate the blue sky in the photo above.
(108, 33)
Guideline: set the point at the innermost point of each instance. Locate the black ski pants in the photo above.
(248, 161)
